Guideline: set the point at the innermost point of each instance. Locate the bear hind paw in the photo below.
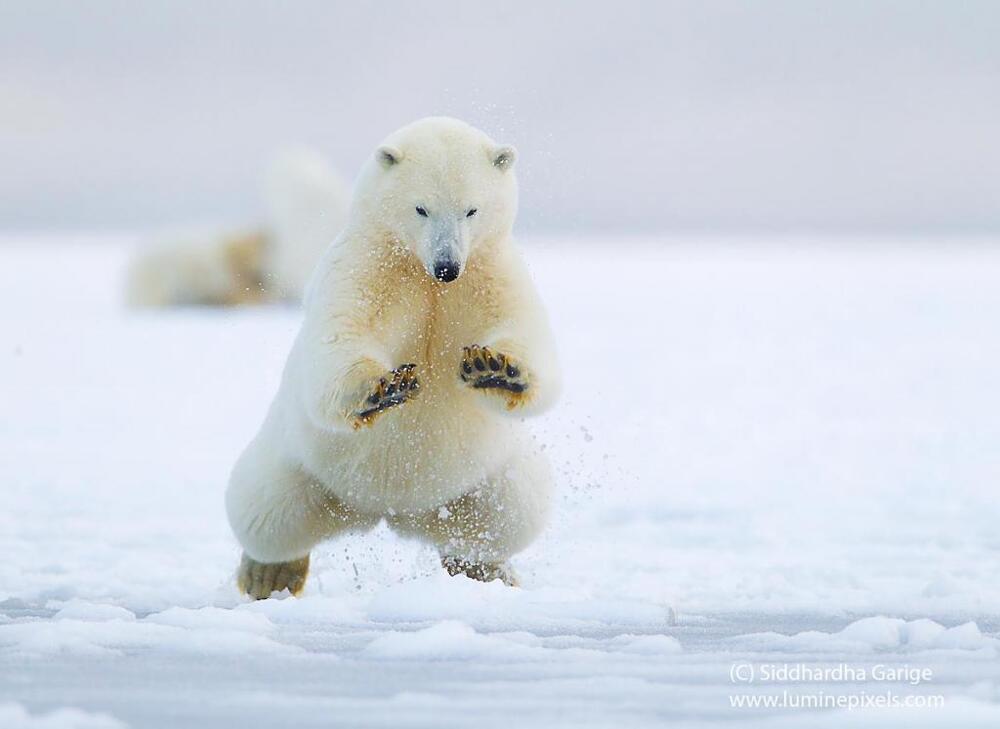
(260, 579)
(481, 571)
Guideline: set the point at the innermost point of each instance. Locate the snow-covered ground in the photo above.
(769, 455)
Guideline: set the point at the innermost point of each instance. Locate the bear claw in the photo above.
(260, 579)
(401, 385)
(481, 571)
(484, 369)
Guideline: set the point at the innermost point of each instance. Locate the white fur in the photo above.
(306, 207)
(305, 203)
(184, 269)
(454, 465)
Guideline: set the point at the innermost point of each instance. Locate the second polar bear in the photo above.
(423, 347)
(305, 203)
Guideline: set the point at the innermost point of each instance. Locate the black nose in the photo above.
(446, 271)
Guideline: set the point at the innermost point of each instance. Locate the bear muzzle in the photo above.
(447, 270)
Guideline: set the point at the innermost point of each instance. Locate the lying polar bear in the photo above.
(423, 348)
(305, 207)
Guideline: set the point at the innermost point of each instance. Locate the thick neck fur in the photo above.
(388, 267)
(374, 287)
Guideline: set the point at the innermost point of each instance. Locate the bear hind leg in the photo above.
(477, 533)
(278, 513)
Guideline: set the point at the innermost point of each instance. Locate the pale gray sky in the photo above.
(636, 116)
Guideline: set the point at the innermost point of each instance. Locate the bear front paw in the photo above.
(484, 369)
(393, 389)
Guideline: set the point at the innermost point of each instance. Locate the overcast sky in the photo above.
(637, 116)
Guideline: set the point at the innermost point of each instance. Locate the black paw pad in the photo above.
(400, 385)
(484, 369)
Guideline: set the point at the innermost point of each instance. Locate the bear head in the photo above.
(441, 189)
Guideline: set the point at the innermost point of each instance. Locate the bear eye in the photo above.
(421, 212)
(471, 212)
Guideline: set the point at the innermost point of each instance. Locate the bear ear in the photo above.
(388, 156)
(503, 157)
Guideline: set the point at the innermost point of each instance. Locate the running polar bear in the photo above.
(423, 347)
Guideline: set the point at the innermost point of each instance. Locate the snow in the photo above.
(879, 633)
(449, 640)
(77, 609)
(768, 452)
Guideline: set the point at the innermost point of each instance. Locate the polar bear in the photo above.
(305, 206)
(424, 346)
